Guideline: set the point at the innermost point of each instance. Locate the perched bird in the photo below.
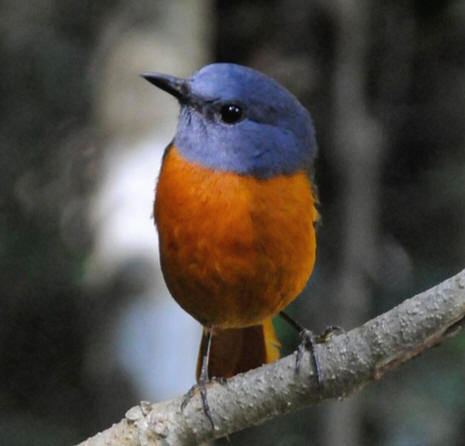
(235, 210)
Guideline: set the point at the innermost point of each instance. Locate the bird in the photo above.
(236, 208)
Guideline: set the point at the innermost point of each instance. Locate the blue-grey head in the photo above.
(236, 119)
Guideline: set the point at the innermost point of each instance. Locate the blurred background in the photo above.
(87, 328)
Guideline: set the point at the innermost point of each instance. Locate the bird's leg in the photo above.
(307, 342)
(203, 379)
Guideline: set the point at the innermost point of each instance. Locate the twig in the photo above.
(348, 361)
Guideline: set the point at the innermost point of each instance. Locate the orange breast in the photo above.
(234, 249)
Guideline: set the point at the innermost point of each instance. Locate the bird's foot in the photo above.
(203, 380)
(308, 342)
(330, 331)
(201, 386)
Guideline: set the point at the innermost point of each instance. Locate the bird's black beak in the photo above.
(177, 87)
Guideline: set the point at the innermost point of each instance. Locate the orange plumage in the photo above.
(235, 249)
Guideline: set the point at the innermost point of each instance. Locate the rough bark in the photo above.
(349, 361)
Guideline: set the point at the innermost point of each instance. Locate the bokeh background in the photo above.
(87, 328)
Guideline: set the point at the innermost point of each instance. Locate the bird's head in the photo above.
(236, 119)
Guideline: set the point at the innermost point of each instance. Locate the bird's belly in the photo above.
(234, 249)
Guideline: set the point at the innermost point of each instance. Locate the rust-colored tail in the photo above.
(237, 350)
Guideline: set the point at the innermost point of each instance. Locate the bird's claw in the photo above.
(308, 342)
(330, 331)
(202, 387)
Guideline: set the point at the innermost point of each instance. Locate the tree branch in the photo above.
(348, 361)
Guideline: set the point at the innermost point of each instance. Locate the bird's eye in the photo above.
(231, 113)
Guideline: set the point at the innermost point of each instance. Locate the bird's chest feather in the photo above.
(233, 240)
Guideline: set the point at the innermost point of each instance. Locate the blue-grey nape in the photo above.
(275, 135)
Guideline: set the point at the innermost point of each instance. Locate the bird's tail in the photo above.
(237, 350)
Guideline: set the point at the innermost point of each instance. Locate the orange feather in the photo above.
(235, 250)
